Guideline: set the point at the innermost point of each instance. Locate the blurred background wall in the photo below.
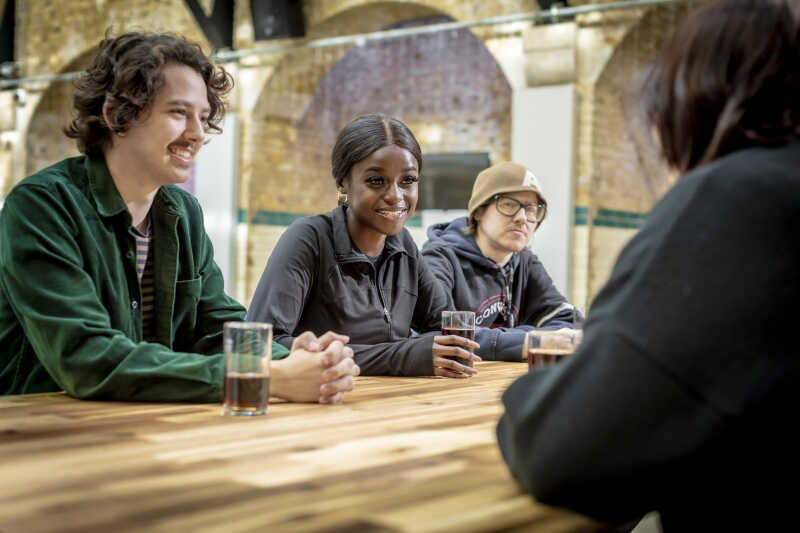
(558, 96)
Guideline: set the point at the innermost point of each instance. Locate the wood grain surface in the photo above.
(400, 454)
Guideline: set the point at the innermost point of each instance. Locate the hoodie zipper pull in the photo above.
(509, 309)
(386, 315)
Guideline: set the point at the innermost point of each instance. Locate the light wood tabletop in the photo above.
(400, 454)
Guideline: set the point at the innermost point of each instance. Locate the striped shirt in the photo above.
(144, 271)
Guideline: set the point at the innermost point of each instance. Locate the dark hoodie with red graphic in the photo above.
(508, 300)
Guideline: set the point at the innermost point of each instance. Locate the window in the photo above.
(447, 179)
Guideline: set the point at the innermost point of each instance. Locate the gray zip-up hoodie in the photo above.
(507, 301)
(317, 280)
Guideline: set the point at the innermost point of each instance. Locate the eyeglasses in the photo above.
(509, 207)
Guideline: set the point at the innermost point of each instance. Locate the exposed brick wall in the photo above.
(45, 143)
(628, 173)
(618, 165)
(319, 11)
(52, 34)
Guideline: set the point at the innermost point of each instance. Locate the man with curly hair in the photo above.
(108, 286)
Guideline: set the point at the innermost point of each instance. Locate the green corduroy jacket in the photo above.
(70, 314)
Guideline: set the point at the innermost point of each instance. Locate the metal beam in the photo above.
(549, 15)
(7, 24)
(217, 27)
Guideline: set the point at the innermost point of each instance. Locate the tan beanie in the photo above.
(502, 178)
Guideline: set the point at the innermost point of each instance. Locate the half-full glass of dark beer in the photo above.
(461, 323)
(546, 348)
(248, 351)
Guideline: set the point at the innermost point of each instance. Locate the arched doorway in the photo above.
(628, 175)
(45, 141)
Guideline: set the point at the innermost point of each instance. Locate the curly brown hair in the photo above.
(125, 76)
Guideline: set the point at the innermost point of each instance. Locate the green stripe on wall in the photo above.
(619, 219)
(608, 218)
(581, 215)
(274, 218)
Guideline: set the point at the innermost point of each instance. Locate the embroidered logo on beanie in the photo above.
(530, 180)
(502, 178)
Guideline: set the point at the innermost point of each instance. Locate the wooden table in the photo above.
(401, 454)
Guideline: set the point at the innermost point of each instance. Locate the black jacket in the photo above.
(473, 282)
(682, 395)
(317, 280)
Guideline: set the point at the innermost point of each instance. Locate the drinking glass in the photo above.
(546, 348)
(248, 351)
(461, 323)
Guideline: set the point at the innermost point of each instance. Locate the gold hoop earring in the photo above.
(341, 198)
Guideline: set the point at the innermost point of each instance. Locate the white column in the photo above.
(543, 139)
(215, 188)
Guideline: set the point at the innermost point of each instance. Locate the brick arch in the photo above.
(55, 33)
(45, 142)
(368, 16)
(629, 174)
(459, 91)
(458, 10)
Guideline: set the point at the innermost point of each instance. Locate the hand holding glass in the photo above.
(248, 351)
(461, 323)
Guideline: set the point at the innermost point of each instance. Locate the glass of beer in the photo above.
(248, 351)
(546, 348)
(461, 323)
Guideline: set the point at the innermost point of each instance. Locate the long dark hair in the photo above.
(126, 74)
(730, 79)
(366, 134)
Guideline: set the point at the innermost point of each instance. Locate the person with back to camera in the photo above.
(356, 269)
(682, 395)
(484, 265)
(108, 285)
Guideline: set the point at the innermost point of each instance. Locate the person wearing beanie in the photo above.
(484, 265)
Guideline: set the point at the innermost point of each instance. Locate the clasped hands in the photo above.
(318, 369)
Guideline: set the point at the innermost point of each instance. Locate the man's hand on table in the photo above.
(318, 369)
